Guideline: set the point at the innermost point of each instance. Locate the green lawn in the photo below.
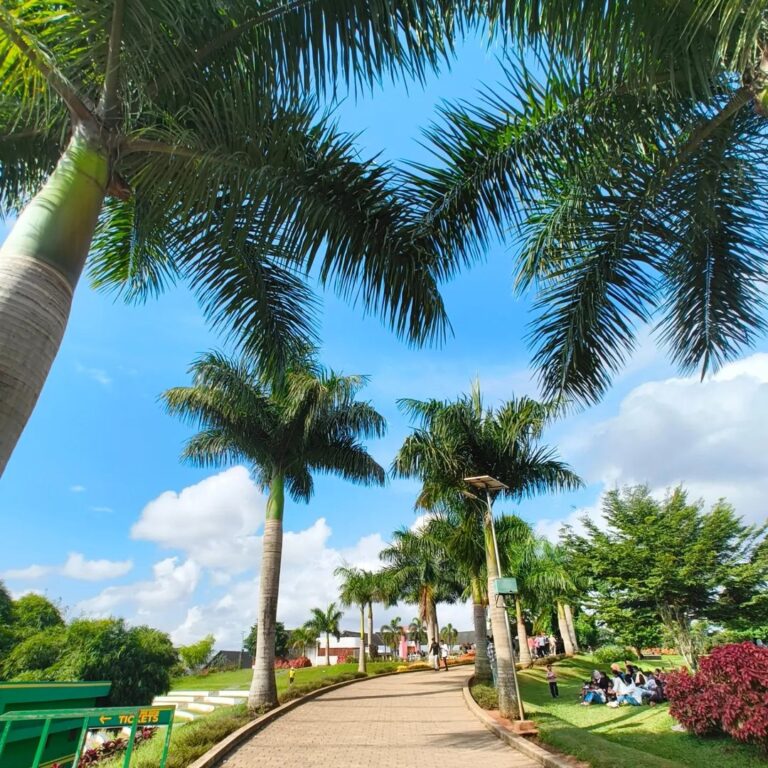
(240, 679)
(628, 737)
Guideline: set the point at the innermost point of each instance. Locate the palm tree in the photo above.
(421, 573)
(391, 632)
(448, 634)
(310, 422)
(462, 438)
(180, 140)
(357, 588)
(325, 623)
(417, 629)
(633, 175)
(300, 638)
(459, 528)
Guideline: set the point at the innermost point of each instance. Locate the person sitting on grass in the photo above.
(592, 694)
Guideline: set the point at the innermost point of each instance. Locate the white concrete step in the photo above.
(182, 714)
(174, 699)
(230, 700)
(199, 707)
(190, 693)
(239, 694)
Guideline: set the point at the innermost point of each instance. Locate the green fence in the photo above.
(89, 719)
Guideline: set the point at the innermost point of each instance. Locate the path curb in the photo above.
(534, 751)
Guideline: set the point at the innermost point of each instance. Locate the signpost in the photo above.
(94, 718)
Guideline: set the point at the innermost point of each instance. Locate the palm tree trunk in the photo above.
(571, 629)
(482, 663)
(505, 670)
(371, 643)
(327, 649)
(361, 661)
(40, 263)
(562, 625)
(522, 635)
(263, 692)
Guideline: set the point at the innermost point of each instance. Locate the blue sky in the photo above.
(95, 497)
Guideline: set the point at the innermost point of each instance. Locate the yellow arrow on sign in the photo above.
(104, 719)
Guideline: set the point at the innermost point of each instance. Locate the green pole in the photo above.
(80, 742)
(41, 743)
(131, 738)
(4, 737)
(167, 744)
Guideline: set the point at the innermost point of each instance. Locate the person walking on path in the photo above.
(444, 654)
(434, 652)
(552, 680)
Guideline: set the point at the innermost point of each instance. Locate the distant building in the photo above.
(347, 644)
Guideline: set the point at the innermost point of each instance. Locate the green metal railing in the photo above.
(93, 718)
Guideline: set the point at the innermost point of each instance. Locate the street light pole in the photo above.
(491, 485)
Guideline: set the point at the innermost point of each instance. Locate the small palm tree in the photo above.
(391, 634)
(448, 634)
(325, 623)
(462, 438)
(300, 639)
(418, 631)
(309, 422)
(357, 588)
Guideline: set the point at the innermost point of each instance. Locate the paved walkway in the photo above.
(416, 720)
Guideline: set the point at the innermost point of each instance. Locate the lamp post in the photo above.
(490, 485)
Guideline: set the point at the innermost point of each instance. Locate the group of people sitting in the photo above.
(632, 686)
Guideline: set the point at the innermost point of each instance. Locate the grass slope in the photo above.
(627, 737)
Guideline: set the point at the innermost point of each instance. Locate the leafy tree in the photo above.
(34, 653)
(325, 623)
(35, 613)
(457, 439)
(667, 557)
(633, 175)
(6, 605)
(282, 640)
(197, 654)
(306, 422)
(184, 135)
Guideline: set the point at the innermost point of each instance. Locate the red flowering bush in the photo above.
(300, 662)
(728, 694)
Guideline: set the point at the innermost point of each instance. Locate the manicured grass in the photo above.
(628, 737)
(240, 679)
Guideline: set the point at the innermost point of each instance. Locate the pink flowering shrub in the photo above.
(728, 694)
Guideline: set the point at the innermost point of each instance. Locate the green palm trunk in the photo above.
(263, 691)
(361, 661)
(40, 263)
(501, 640)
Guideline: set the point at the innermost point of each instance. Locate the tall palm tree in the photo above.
(357, 588)
(325, 622)
(633, 172)
(181, 140)
(448, 634)
(458, 527)
(457, 439)
(417, 629)
(310, 422)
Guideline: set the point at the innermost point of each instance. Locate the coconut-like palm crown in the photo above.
(310, 422)
(631, 164)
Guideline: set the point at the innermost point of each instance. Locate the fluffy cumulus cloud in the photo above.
(708, 435)
(75, 567)
(214, 521)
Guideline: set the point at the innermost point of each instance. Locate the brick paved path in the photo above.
(416, 720)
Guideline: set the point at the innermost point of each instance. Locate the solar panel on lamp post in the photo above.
(492, 486)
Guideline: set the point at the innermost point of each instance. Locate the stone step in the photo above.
(230, 700)
(239, 694)
(174, 699)
(198, 706)
(183, 714)
(190, 693)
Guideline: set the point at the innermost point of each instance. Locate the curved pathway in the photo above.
(415, 720)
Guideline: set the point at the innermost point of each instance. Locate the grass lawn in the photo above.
(240, 679)
(628, 737)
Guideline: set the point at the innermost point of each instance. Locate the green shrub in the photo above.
(485, 695)
(610, 654)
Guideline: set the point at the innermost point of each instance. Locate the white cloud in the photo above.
(102, 509)
(214, 521)
(97, 374)
(77, 567)
(77, 488)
